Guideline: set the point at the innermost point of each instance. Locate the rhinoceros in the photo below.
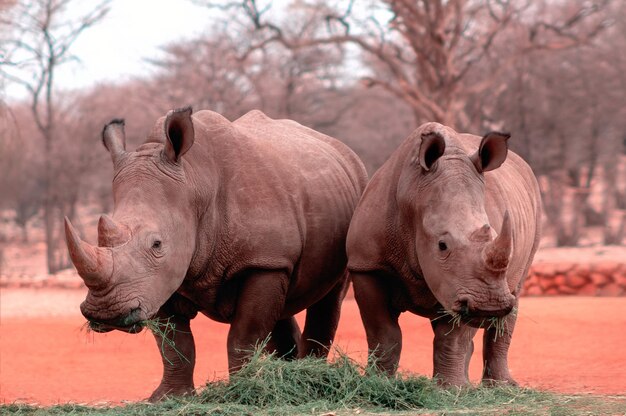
(243, 221)
(447, 229)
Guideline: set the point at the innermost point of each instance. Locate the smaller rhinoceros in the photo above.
(244, 222)
(422, 240)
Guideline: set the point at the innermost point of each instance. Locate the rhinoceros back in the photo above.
(282, 188)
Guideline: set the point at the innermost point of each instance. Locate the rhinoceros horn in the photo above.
(496, 254)
(94, 264)
(110, 234)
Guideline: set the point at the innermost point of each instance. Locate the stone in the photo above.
(546, 282)
(607, 268)
(587, 290)
(531, 279)
(545, 269)
(620, 279)
(532, 290)
(552, 291)
(600, 279)
(566, 290)
(582, 269)
(611, 290)
(560, 280)
(574, 280)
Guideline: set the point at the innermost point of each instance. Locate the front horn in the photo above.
(496, 254)
(94, 264)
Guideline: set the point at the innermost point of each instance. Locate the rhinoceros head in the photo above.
(145, 249)
(461, 261)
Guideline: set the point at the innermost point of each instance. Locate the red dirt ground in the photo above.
(565, 344)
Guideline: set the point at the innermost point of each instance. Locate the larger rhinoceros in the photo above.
(422, 240)
(244, 222)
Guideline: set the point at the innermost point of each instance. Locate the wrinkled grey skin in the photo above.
(244, 222)
(447, 227)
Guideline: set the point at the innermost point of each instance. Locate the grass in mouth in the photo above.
(164, 328)
(453, 318)
(499, 324)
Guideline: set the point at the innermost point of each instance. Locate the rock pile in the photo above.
(604, 278)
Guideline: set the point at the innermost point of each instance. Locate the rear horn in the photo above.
(111, 234)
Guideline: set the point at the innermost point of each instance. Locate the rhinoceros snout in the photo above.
(469, 307)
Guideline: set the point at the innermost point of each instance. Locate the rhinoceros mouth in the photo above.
(470, 310)
(131, 323)
(483, 319)
(486, 314)
(479, 319)
(102, 328)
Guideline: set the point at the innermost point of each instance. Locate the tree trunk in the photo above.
(24, 228)
(615, 236)
(569, 225)
(51, 246)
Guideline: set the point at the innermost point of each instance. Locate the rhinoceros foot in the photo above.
(508, 381)
(497, 374)
(451, 381)
(163, 392)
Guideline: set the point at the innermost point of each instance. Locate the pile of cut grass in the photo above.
(271, 386)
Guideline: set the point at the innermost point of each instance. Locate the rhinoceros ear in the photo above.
(492, 151)
(432, 147)
(179, 132)
(114, 138)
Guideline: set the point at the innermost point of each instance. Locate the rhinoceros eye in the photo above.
(442, 246)
(156, 244)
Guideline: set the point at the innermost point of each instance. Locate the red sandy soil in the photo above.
(564, 344)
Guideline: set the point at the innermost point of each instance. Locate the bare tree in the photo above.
(39, 37)
(564, 109)
(204, 73)
(21, 168)
(218, 71)
(421, 51)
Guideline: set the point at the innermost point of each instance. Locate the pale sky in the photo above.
(114, 49)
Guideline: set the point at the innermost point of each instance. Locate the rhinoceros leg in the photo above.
(285, 339)
(178, 354)
(452, 349)
(496, 351)
(384, 337)
(322, 319)
(259, 305)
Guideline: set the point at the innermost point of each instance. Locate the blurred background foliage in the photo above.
(551, 72)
